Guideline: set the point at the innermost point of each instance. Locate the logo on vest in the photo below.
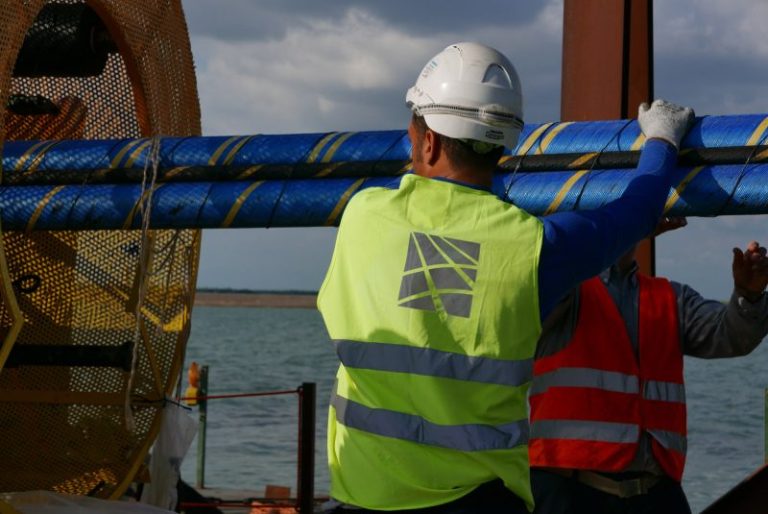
(439, 274)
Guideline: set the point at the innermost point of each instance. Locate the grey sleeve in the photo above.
(711, 329)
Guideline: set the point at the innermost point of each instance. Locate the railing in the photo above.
(305, 476)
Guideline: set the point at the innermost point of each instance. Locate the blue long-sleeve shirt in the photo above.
(580, 244)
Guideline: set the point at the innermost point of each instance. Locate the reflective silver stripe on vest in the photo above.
(585, 377)
(664, 391)
(585, 430)
(409, 427)
(435, 363)
(670, 440)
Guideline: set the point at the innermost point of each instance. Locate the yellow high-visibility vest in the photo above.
(431, 301)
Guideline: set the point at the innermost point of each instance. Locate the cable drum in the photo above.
(89, 343)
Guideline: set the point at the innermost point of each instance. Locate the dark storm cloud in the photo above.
(441, 16)
(251, 20)
(269, 19)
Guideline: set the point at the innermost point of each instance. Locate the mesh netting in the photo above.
(63, 421)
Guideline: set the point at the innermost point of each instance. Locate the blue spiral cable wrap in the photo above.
(239, 197)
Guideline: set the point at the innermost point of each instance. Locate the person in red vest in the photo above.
(608, 417)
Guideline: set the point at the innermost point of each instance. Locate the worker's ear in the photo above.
(431, 148)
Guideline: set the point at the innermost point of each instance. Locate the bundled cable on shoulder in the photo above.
(307, 179)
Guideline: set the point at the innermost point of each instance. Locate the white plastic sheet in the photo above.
(176, 434)
(47, 502)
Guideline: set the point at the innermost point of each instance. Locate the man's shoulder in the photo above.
(373, 194)
(369, 200)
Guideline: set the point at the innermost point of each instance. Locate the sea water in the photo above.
(251, 442)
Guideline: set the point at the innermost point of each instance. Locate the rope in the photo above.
(588, 176)
(526, 147)
(742, 173)
(238, 395)
(145, 249)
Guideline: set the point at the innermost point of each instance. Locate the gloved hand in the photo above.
(665, 120)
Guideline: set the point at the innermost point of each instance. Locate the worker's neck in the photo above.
(443, 169)
(626, 262)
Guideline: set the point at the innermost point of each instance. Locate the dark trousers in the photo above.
(558, 494)
(489, 498)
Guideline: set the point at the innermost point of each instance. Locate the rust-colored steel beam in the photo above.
(608, 68)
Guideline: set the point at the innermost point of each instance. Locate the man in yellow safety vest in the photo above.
(436, 290)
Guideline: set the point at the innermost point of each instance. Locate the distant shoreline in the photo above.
(292, 300)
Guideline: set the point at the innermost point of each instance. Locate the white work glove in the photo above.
(665, 120)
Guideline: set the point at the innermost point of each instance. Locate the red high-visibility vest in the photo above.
(591, 400)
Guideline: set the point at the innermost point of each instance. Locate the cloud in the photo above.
(319, 77)
(712, 55)
(259, 20)
(251, 20)
(434, 16)
(323, 74)
(712, 27)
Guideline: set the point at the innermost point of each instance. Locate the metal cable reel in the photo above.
(93, 324)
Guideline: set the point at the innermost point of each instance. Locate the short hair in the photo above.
(461, 153)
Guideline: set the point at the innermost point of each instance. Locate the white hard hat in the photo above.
(470, 91)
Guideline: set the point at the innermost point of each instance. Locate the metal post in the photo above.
(608, 68)
(203, 406)
(306, 474)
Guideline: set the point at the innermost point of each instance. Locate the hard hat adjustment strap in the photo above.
(491, 117)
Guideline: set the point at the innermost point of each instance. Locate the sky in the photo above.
(291, 66)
